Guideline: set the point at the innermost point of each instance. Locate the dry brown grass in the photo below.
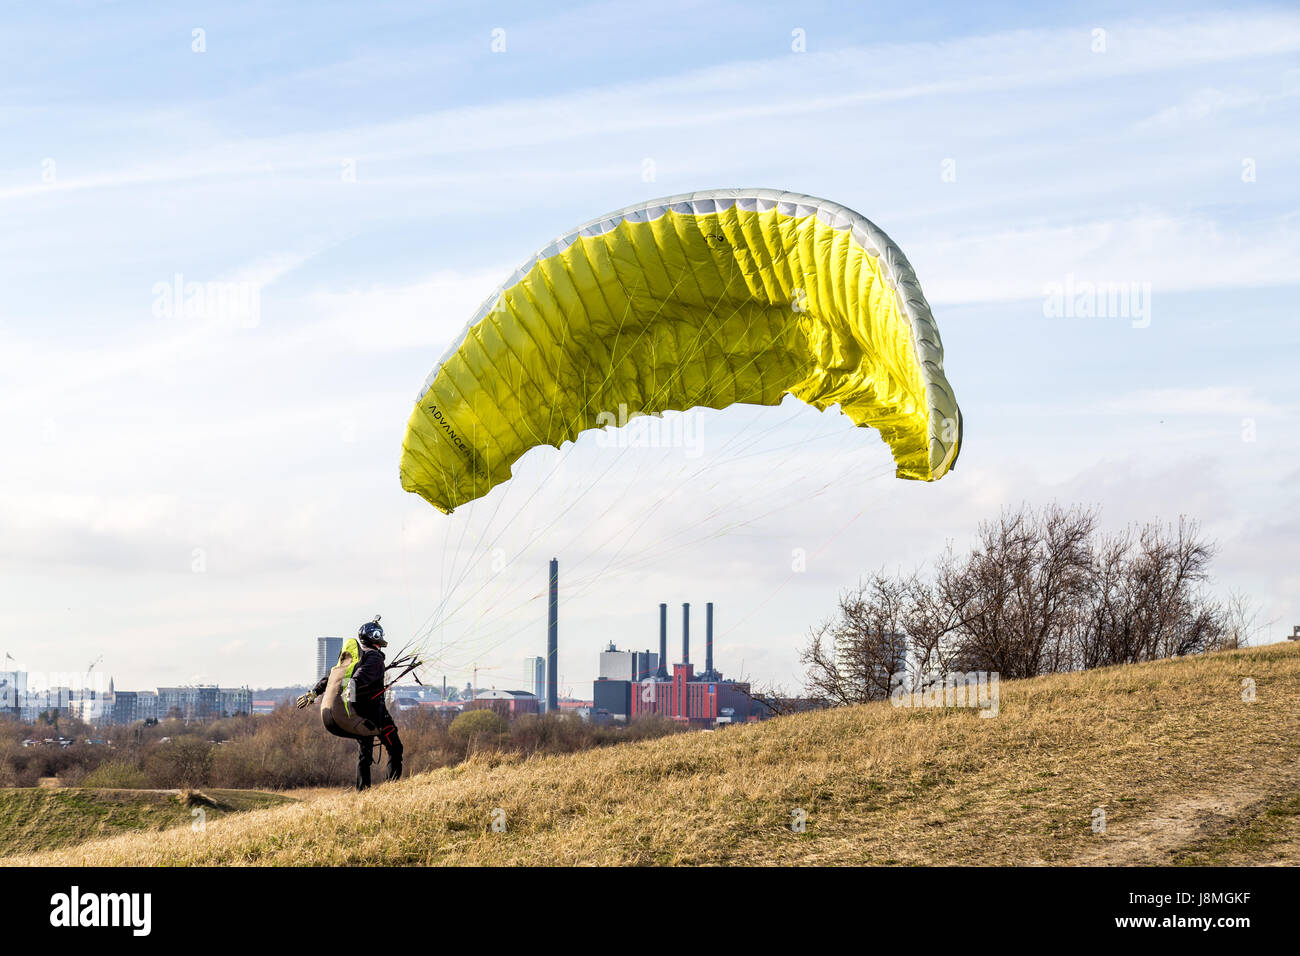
(879, 785)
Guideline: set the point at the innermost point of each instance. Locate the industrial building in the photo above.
(619, 670)
(507, 703)
(553, 637)
(636, 684)
(627, 665)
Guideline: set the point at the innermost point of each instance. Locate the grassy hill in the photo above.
(41, 819)
(1184, 769)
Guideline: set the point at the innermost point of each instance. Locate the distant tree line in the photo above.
(282, 750)
(1042, 591)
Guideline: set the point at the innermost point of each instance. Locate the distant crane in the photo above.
(97, 660)
(474, 686)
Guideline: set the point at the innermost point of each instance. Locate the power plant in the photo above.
(636, 684)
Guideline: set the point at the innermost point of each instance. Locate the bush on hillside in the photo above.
(112, 775)
(183, 761)
(477, 725)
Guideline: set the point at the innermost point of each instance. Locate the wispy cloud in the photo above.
(1170, 253)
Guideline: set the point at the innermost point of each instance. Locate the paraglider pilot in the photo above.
(361, 687)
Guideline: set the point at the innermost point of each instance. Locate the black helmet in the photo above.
(371, 634)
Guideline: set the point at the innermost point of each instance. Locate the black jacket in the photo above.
(367, 676)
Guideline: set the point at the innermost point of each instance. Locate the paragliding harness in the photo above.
(337, 705)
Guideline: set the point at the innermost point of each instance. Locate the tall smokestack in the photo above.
(686, 633)
(553, 640)
(662, 672)
(708, 639)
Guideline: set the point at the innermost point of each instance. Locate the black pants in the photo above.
(366, 746)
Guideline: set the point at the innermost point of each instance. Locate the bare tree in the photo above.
(776, 700)
(1041, 592)
(1027, 583)
(1163, 611)
(1241, 621)
(824, 678)
(857, 655)
(937, 615)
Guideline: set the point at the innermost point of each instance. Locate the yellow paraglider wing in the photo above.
(704, 299)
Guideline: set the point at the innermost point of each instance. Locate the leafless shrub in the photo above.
(854, 656)
(1040, 592)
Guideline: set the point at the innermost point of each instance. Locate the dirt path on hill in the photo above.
(1179, 826)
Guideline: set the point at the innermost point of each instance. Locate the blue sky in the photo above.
(198, 498)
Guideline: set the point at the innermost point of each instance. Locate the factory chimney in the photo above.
(553, 640)
(686, 633)
(662, 672)
(708, 640)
